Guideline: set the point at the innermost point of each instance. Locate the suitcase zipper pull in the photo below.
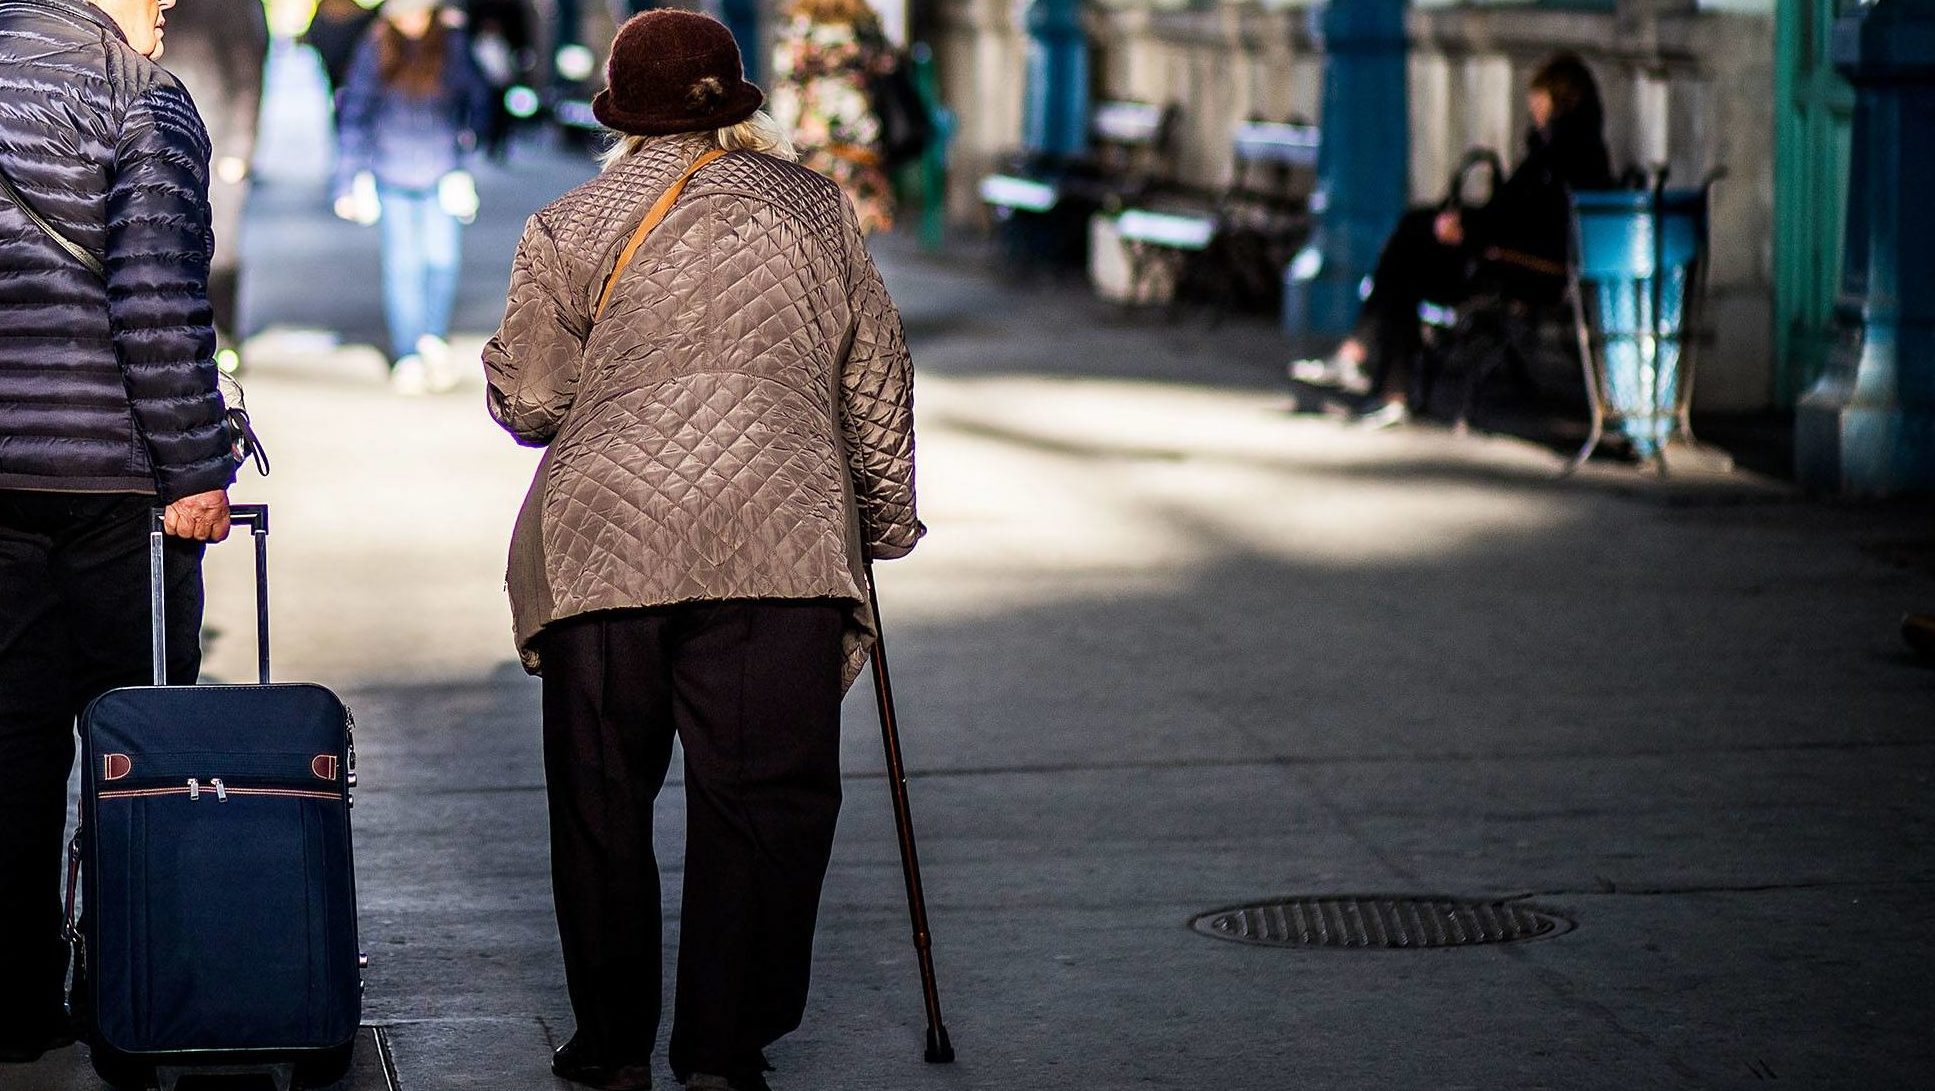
(221, 793)
(194, 789)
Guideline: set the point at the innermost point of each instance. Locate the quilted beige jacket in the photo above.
(736, 426)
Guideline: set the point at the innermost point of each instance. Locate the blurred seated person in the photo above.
(1514, 247)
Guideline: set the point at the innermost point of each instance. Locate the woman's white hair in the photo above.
(758, 133)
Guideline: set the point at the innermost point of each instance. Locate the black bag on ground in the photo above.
(219, 933)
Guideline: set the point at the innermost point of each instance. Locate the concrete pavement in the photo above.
(1167, 650)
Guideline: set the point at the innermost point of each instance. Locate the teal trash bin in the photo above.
(1638, 261)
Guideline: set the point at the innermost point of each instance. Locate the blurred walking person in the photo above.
(728, 438)
(410, 113)
(219, 49)
(108, 406)
(828, 55)
(501, 44)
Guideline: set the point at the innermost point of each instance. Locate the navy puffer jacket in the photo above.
(104, 387)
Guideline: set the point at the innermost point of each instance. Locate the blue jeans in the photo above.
(421, 248)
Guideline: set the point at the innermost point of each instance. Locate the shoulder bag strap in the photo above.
(660, 209)
(74, 249)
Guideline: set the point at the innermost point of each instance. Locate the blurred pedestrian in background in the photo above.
(219, 49)
(500, 34)
(109, 406)
(408, 122)
(830, 53)
(1515, 246)
(726, 445)
(335, 32)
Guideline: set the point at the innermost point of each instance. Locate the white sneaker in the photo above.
(1335, 370)
(1388, 415)
(1316, 372)
(409, 378)
(437, 364)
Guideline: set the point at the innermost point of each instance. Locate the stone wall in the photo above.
(1220, 64)
(1691, 89)
(979, 51)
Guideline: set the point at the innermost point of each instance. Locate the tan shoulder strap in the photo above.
(660, 209)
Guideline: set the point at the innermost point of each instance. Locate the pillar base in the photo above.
(1845, 445)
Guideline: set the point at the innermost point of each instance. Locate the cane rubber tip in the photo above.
(939, 1049)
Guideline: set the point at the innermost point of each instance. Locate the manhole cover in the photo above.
(1375, 921)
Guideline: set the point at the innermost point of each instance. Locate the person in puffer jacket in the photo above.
(109, 406)
(728, 432)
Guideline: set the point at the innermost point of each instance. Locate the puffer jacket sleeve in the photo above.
(533, 361)
(877, 409)
(158, 252)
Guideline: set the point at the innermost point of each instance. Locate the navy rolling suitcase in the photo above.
(219, 931)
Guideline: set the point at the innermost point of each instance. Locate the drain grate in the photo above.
(1380, 922)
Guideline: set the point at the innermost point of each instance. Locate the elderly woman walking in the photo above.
(702, 344)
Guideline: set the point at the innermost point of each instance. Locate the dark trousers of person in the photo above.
(1413, 267)
(74, 623)
(752, 690)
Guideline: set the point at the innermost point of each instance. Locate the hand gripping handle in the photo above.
(256, 518)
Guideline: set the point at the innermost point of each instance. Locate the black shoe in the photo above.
(572, 1062)
(29, 1049)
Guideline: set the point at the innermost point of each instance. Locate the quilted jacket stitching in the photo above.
(719, 475)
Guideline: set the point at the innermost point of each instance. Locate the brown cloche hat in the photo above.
(674, 71)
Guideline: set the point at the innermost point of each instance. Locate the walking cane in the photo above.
(939, 1049)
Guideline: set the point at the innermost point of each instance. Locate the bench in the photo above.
(1041, 203)
(1236, 245)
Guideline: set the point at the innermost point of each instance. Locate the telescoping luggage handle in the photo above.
(256, 518)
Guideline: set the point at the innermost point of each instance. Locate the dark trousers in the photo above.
(752, 690)
(74, 594)
(1413, 267)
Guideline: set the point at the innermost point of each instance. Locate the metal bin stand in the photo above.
(1638, 279)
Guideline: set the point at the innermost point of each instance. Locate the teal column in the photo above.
(1868, 427)
(1363, 169)
(1054, 118)
(933, 161)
